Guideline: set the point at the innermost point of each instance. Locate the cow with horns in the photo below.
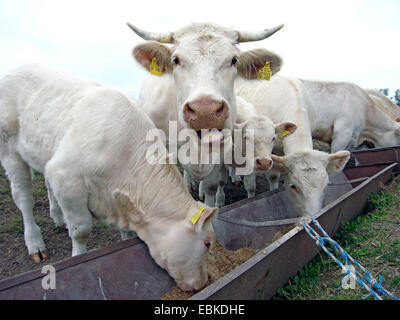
(194, 80)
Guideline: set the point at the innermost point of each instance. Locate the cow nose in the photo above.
(192, 286)
(264, 164)
(206, 114)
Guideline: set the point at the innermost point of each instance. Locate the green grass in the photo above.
(16, 224)
(372, 238)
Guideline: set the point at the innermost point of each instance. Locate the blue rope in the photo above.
(373, 286)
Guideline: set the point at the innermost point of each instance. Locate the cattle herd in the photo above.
(229, 109)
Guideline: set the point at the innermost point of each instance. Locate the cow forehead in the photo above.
(202, 40)
(204, 31)
(197, 48)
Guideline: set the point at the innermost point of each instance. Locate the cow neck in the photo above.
(376, 121)
(158, 191)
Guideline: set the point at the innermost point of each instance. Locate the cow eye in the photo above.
(293, 187)
(273, 139)
(176, 60)
(207, 244)
(234, 60)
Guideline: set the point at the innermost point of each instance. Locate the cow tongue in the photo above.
(212, 136)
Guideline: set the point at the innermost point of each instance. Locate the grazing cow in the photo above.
(345, 116)
(256, 132)
(305, 169)
(90, 143)
(194, 79)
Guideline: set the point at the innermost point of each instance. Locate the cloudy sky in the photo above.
(356, 41)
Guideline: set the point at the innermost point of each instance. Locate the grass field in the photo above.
(373, 239)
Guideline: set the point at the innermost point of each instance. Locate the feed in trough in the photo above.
(220, 262)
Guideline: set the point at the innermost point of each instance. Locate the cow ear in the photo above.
(338, 160)
(279, 163)
(205, 215)
(126, 208)
(284, 129)
(250, 62)
(153, 52)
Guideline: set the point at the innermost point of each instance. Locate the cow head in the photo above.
(204, 61)
(388, 137)
(179, 242)
(307, 177)
(257, 136)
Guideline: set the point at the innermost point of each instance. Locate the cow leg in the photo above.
(249, 182)
(55, 210)
(273, 180)
(72, 197)
(19, 174)
(210, 190)
(189, 181)
(234, 178)
(201, 191)
(342, 136)
(223, 179)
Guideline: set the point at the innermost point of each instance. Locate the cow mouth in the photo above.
(210, 136)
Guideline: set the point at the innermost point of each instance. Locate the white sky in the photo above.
(353, 40)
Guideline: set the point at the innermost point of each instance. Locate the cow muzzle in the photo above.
(263, 164)
(206, 114)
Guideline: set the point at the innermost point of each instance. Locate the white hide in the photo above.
(89, 142)
(199, 69)
(256, 150)
(345, 116)
(285, 99)
(385, 104)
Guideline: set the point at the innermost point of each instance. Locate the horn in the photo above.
(247, 36)
(160, 37)
(278, 159)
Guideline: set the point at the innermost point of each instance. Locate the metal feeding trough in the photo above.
(127, 271)
(378, 155)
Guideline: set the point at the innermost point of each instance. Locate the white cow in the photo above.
(256, 132)
(90, 143)
(306, 177)
(386, 105)
(196, 85)
(345, 115)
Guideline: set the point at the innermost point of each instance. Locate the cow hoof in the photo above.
(36, 257)
(39, 256)
(44, 255)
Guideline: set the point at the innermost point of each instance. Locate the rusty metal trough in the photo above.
(127, 271)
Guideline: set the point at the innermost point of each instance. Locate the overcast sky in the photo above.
(356, 41)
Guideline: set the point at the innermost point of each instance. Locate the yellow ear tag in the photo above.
(155, 68)
(333, 167)
(284, 133)
(196, 216)
(265, 72)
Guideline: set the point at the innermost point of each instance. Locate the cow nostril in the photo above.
(264, 163)
(189, 109)
(221, 109)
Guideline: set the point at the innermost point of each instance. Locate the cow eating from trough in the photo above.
(90, 143)
(305, 169)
